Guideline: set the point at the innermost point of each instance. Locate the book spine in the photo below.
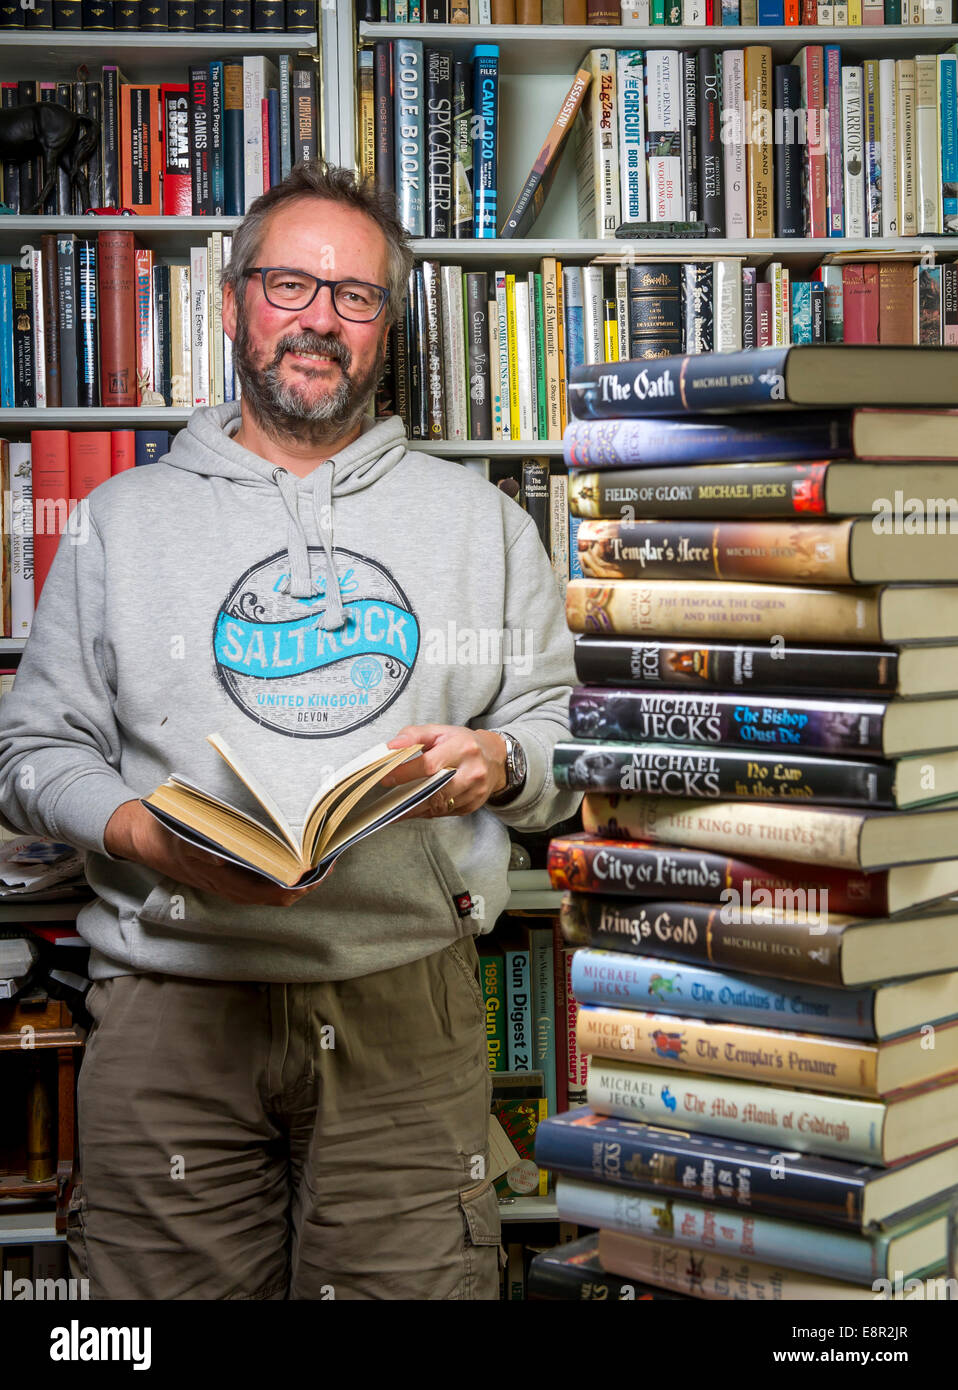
(541, 969)
(479, 368)
(505, 381)
(550, 324)
(535, 495)
(727, 305)
(216, 135)
(710, 200)
(905, 115)
(758, 88)
(47, 279)
(492, 973)
(214, 299)
(524, 376)
(432, 334)
(619, 980)
(844, 1255)
(143, 273)
(764, 1055)
(664, 135)
(199, 325)
(537, 335)
(815, 171)
(409, 134)
(233, 148)
(732, 490)
(655, 314)
(485, 64)
(117, 318)
(200, 142)
(927, 148)
(305, 120)
(462, 87)
(853, 151)
(725, 774)
(691, 79)
(384, 121)
(577, 1071)
(948, 131)
(734, 135)
(748, 438)
(872, 145)
(560, 1009)
(684, 608)
(753, 941)
(50, 468)
(631, 110)
(89, 363)
(177, 167)
(749, 309)
(519, 1006)
(22, 602)
(439, 142)
(254, 90)
(888, 127)
(693, 384)
(454, 371)
(789, 212)
(559, 529)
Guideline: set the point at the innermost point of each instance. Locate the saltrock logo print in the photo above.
(280, 666)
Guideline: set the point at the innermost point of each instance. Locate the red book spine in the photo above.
(118, 337)
(267, 172)
(578, 1073)
(809, 12)
(763, 313)
(90, 455)
(793, 11)
(562, 1036)
(50, 460)
(143, 302)
(175, 131)
(816, 194)
(860, 303)
(122, 451)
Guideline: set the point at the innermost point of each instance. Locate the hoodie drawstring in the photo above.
(300, 580)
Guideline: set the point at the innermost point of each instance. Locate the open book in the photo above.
(347, 806)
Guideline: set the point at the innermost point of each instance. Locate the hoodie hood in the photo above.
(207, 446)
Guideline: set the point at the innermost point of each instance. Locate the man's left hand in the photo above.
(478, 756)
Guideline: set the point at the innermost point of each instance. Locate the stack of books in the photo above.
(767, 737)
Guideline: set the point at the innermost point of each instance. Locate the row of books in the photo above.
(205, 145)
(763, 1024)
(42, 483)
(484, 355)
(163, 16)
(643, 13)
(750, 148)
(98, 321)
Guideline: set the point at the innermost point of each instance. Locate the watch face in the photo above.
(518, 763)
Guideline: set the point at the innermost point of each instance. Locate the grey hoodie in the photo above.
(198, 600)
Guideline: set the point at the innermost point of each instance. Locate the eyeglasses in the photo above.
(285, 288)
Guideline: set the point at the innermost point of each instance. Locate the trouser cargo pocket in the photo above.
(482, 1249)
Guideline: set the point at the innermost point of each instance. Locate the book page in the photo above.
(260, 793)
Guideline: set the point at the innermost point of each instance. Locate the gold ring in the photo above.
(450, 803)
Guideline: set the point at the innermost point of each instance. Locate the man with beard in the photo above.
(285, 1092)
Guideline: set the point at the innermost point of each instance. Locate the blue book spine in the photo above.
(574, 314)
(6, 335)
(646, 982)
(485, 69)
(272, 114)
(575, 567)
(859, 1259)
(150, 445)
(217, 138)
(747, 438)
(89, 366)
(678, 385)
(704, 1167)
(948, 79)
(519, 1010)
(801, 311)
(730, 12)
(233, 150)
(541, 964)
(410, 135)
(771, 11)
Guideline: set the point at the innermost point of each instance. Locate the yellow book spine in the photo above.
(758, 92)
(513, 356)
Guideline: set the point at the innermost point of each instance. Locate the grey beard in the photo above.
(279, 409)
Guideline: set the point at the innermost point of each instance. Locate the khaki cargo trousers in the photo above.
(269, 1141)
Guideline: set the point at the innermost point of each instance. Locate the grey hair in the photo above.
(314, 178)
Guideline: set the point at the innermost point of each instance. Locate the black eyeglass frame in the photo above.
(262, 270)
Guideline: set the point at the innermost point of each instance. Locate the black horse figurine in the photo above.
(59, 135)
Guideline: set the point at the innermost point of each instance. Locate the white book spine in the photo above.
(733, 125)
(593, 314)
(254, 90)
(636, 16)
(559, 529)
(841, 14)
(887, 108)
(228, 393)
(217, 362)
(773, 274)
(182, 382)
(523, 360)
(199, 325)
(485, 12)
(927, 147)
(454, 373)
(693, 12)
(503, 340)
(622, 310)
(633, 182)
(533, 356)
(18, 507)
(663, 122)
(853, 151)
(727, 306)
(826, 12)
(914, 8)
(936, 12)
(493, 312)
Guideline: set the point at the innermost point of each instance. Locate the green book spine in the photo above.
(542, 406)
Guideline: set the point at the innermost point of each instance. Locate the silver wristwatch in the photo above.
(515, 769)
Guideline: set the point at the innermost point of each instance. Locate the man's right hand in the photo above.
(133, 833)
